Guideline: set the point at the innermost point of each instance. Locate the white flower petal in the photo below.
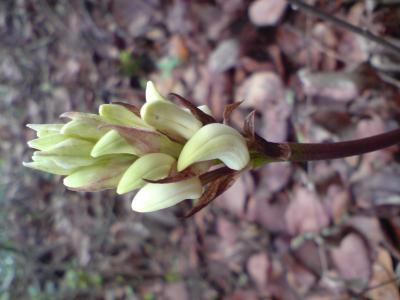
(215, 141)
(156, 196)
(151, 166)
(152, 94)
(170, 119)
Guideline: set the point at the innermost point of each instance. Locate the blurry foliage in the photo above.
(167, 64)
(129, 65)
(79, 279)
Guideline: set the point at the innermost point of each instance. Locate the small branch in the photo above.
(357, 30)
(318, 151)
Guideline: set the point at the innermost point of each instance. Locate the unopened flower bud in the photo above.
(156, 196)
(104, 174)
(46, 165)
(68, 154)
(112, 143)
(170, 119)
(152, 94)
(215, 141)
(86, 129)
(47, 142)
(45, 129)
(151, 166)
(119, 115)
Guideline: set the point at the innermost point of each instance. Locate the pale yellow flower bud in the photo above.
(47, 142)
(104, 174)
(68, 154)
(119, 115)
(85, 128)
(215, 141)
(151, 166)
(156, 196)
(45, 129)
(48, 166)
(170, 119)
(152, 94)
(112, 143)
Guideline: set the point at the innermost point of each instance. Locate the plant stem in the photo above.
(320, 151)
(341, 23)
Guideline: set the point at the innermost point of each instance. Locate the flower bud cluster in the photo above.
(163, 150)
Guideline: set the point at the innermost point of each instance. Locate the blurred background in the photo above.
(325, 230)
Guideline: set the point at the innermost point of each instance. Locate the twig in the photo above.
(341, 23)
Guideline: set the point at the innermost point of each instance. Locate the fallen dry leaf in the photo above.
(257, 266)
(266, 12)
(242, 295)
(175, 291)
(224, 57)
(382, 284)
(259, 89)
(352, 261)
(305, 212)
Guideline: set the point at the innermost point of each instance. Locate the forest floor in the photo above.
(322, 230)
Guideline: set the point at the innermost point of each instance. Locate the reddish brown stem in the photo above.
(319, 151)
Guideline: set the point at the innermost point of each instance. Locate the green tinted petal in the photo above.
(156, 196)
(215, 141)
(151, 166)
(85, 128)
(119, 115)
(45, 129)
(104, 175)
(47, 166)
(152, 94)
(170, 119)
(112, 143)
(70, 147)
(47, 141)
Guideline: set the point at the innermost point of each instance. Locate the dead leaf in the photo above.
(382, 284)
(305, 212)
(176, 290)
(224, 57)
(268, 214)
(340, 86)
(260, 88)
(352, 261)
(242, 295)
(234, 199)
(266, 12)
(257, 266)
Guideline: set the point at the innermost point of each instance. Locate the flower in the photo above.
(150, 166)
(156, 196)
(163, 150)
(215, 141)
